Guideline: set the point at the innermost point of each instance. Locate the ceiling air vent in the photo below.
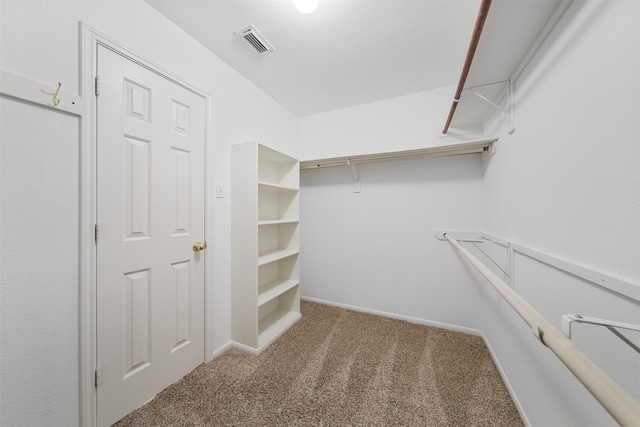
(255, 39)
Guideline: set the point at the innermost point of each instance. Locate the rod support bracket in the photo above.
(536, 332)
(568, 319)
(357, 188)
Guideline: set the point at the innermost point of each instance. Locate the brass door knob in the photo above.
(199, 246)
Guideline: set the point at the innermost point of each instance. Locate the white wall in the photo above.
(39, 275)
(376, 249)
(567, 182)
(40, 188)
(403, 123)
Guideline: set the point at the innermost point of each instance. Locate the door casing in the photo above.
(89, 40)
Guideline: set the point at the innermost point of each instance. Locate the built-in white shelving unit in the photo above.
(265, 243)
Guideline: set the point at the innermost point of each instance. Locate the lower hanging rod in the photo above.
(620, 404)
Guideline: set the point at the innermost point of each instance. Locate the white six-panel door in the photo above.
(150, 212)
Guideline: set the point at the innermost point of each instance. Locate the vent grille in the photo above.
(257, 40)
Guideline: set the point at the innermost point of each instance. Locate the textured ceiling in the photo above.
(351, 52)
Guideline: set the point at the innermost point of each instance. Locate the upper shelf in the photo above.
(513, 33)
(472, 147)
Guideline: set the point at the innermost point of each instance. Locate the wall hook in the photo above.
(56, 100)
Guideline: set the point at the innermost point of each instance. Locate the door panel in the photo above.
(150, 208)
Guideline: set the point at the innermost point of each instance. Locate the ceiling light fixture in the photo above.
(306, 6)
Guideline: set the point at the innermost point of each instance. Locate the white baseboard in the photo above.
(217, 353)
(233, 344)
(246, 348)
(506, 382)
(410, 319)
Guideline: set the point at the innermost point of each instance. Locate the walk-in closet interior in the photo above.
(366, 212)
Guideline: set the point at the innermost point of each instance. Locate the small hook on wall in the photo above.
(56, 100)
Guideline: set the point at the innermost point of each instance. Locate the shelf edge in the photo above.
(471, 147)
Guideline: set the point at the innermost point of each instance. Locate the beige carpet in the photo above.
(337, 367)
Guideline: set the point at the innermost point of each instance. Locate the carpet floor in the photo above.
(338, 367)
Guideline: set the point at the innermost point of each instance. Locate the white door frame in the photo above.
(89, 39)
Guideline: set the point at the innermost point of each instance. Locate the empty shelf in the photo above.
(274, 289)
(275, 187)
(275, 324)
(275, 256)
(277, 221)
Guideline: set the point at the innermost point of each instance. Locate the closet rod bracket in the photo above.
(357, 188)
(507, 111)
(536, 332)
(612, 325)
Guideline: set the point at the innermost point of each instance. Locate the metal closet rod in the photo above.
(620, 404)
(475, 38)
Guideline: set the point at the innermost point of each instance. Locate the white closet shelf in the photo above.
(275, 256)
(274, 187)
(275, 324)
(274, 289)
(471, 147)
(277, 221)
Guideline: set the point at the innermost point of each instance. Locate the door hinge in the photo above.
(96, 232)
(97, 377)
(97, 85)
